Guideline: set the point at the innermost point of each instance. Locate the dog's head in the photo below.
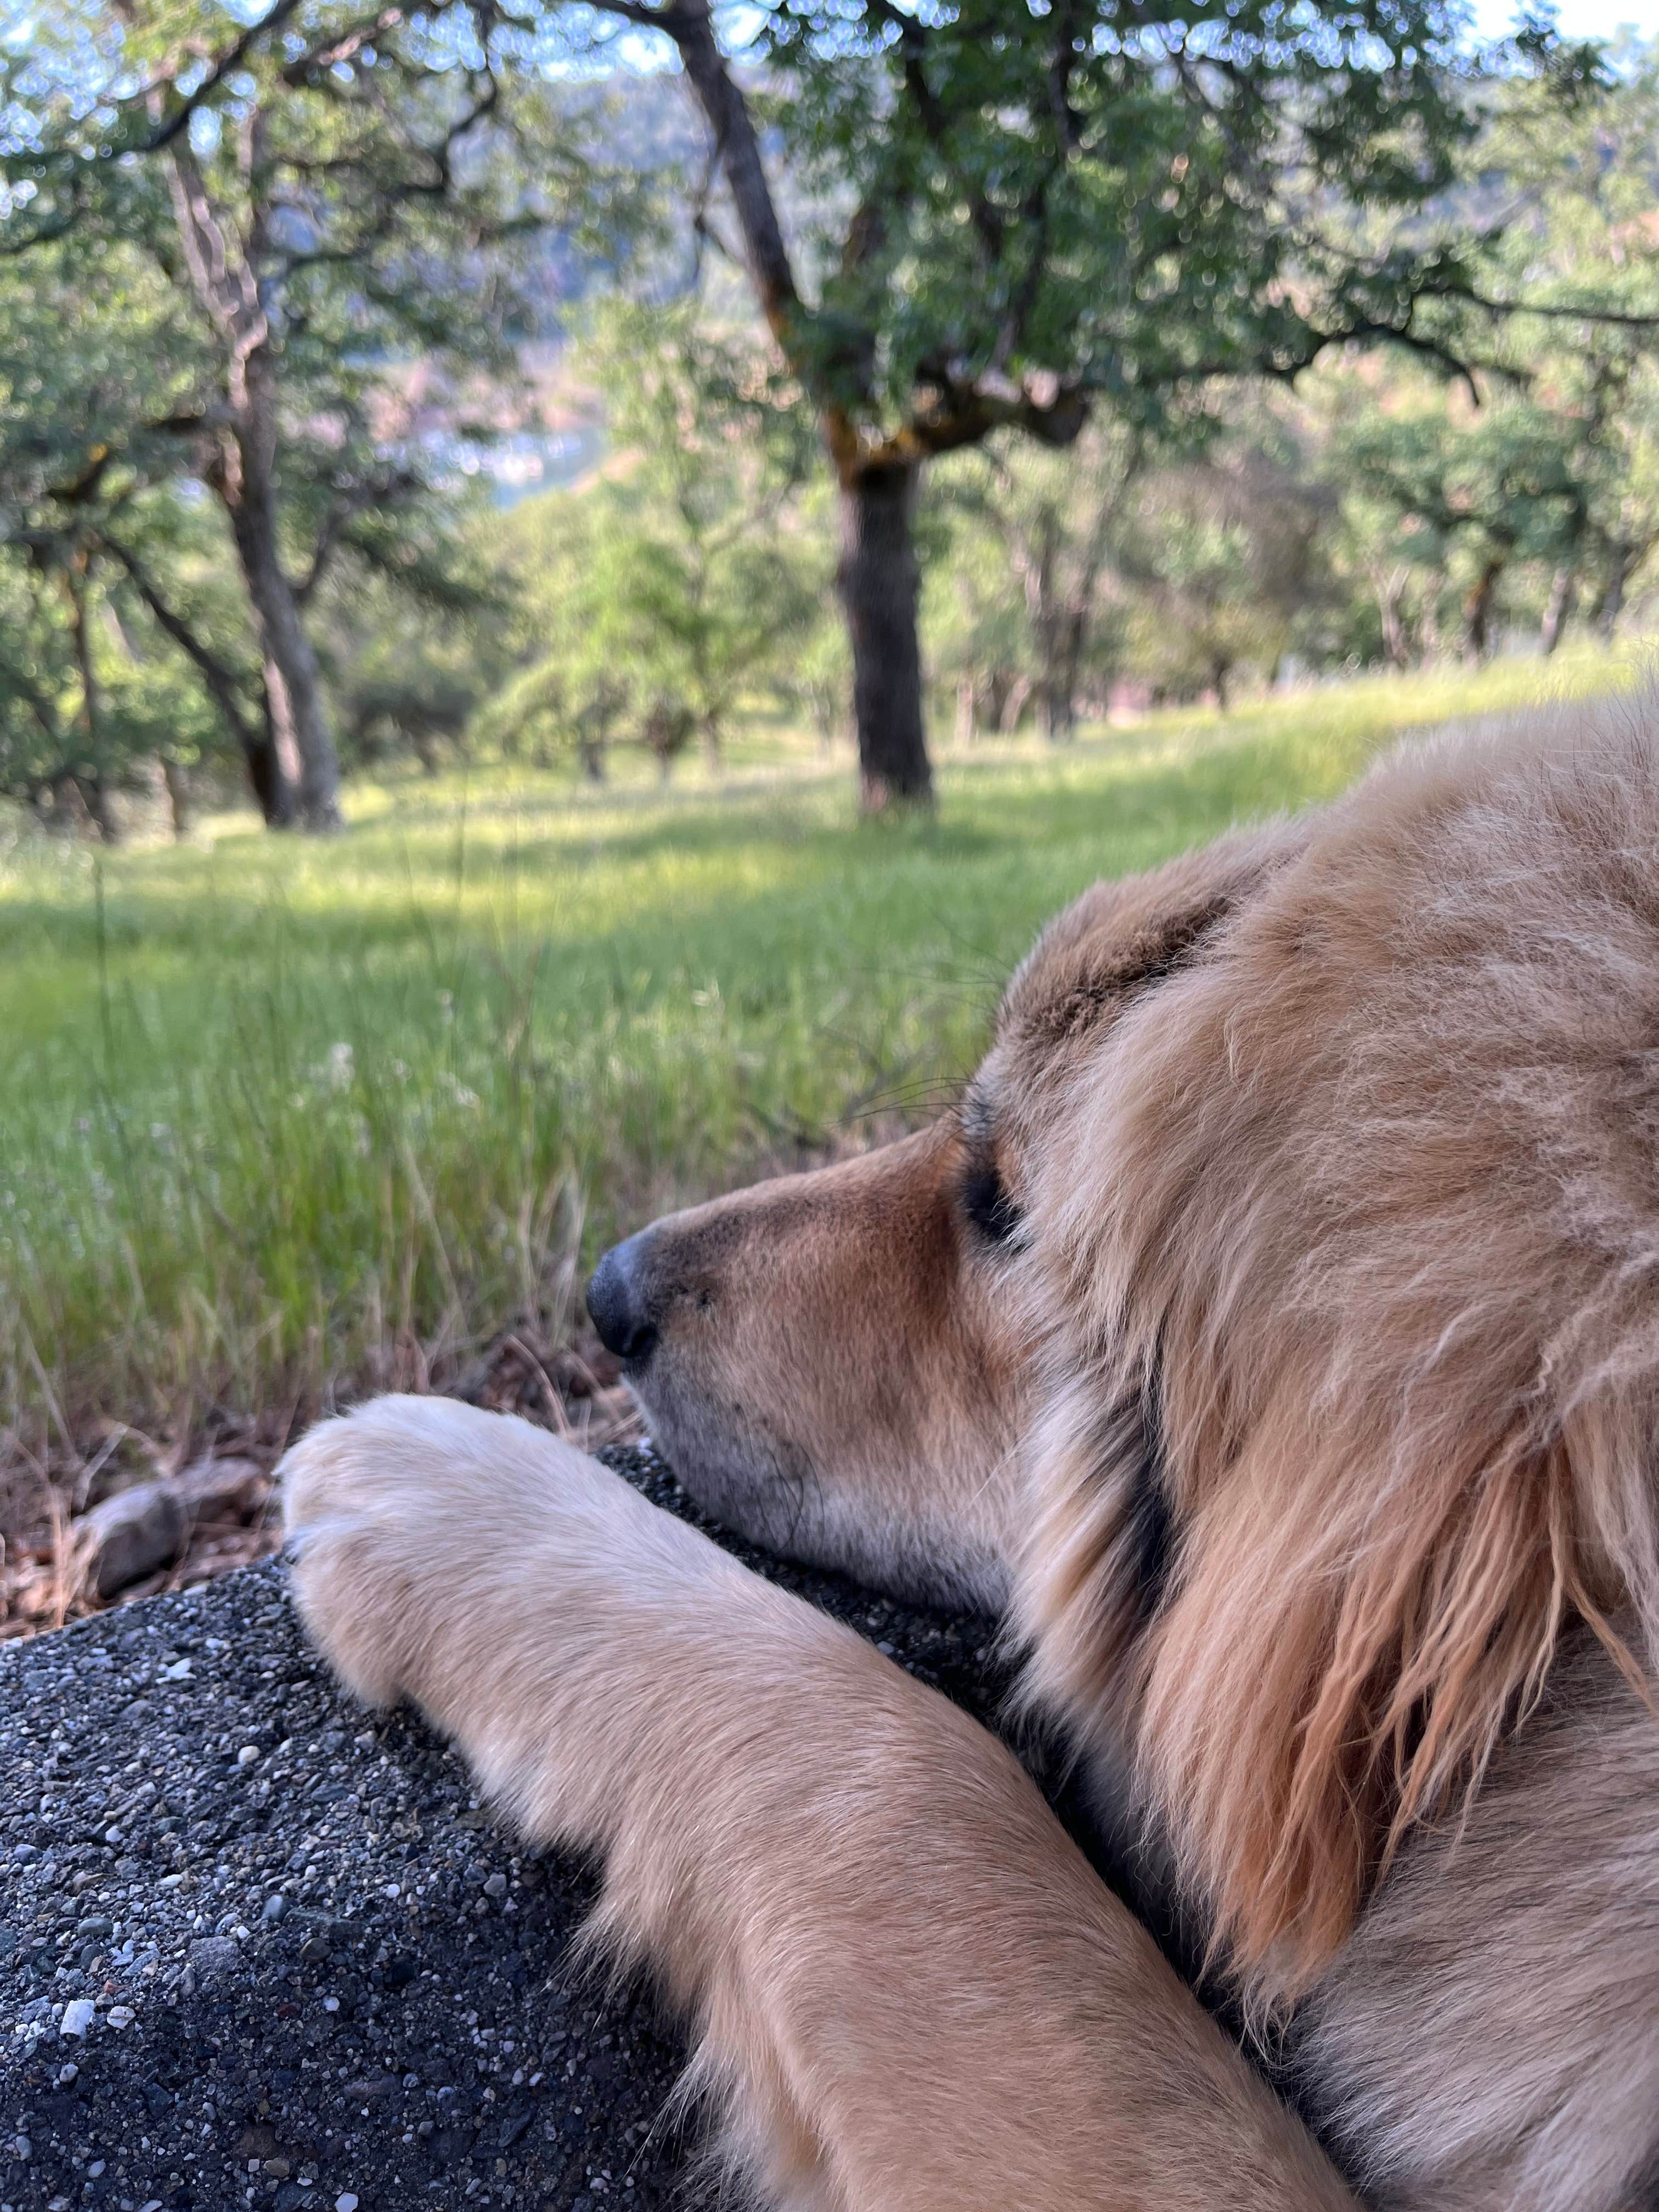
(1276, 1316)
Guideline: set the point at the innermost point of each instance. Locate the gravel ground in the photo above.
(258, 1949)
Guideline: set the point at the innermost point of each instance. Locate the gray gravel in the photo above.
(308, 1967)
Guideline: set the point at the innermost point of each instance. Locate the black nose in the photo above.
(617, 1299)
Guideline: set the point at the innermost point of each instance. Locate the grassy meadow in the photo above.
(280, 1119)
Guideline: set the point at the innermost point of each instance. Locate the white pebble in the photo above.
(120, 2015)
(345, 2201)
(247, 1754)
(78, 2016)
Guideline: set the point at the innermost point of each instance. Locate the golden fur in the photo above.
(910, 1991)
(1398, 1278)
(1274, 1328)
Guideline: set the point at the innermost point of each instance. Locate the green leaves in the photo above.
(1125, 199)
(661, 595)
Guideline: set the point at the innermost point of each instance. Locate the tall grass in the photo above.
(280, 1118)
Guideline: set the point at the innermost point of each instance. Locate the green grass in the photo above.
(271, 1112)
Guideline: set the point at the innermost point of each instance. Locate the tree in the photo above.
(1473, 496)
(325, 188)
(660, 593)
(1584, 235)
(1224, 549)
(1014, 216)
(1061, 516)
(975, 625)
(1030, 572)
(1535, 482)
(97, 666)
(1024, 215)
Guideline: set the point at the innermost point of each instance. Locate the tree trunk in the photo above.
(967, 709)
(178, 790)
(1014, 701)
(1429, 628)
(221, 269)
(879, 586)
(284, 742)
(1059, 708)
(293, 681)
(296, 711)
(1477, 613)
(1391, 591)
(272, 786)
(89, 783)
(1063, 644)
(1613, 598)
(1557, 608)
(94, 794)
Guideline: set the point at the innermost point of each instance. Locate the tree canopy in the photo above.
(264, 274)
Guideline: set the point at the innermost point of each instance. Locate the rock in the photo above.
(211, 1956)
(78, 2016)
(129, 1536)
(213, 1488)
(464, 2038)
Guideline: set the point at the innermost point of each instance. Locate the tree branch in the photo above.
(220, 680)
(230, 59)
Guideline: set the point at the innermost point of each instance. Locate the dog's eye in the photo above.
(988, 1205)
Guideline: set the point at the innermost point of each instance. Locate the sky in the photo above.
(1583, 19)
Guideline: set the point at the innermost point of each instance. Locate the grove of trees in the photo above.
(966, 362)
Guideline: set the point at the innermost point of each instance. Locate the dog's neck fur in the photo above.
(1484, 2038)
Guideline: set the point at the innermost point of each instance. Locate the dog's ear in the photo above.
(1362, 1613)
(1374, 1192)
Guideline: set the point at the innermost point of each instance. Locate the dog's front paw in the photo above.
(422, 1533)
(357, 1500)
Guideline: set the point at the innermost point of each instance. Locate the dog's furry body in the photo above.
(1275, 1328)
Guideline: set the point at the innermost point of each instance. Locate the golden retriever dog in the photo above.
(1271, 1334)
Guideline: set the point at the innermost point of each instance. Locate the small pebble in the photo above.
(120, 2015)
(274, 1906)
(345, 2201)
(247, 1754)
(496, 1886)
(78, 2016)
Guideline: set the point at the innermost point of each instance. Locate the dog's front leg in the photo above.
(910, 1991)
